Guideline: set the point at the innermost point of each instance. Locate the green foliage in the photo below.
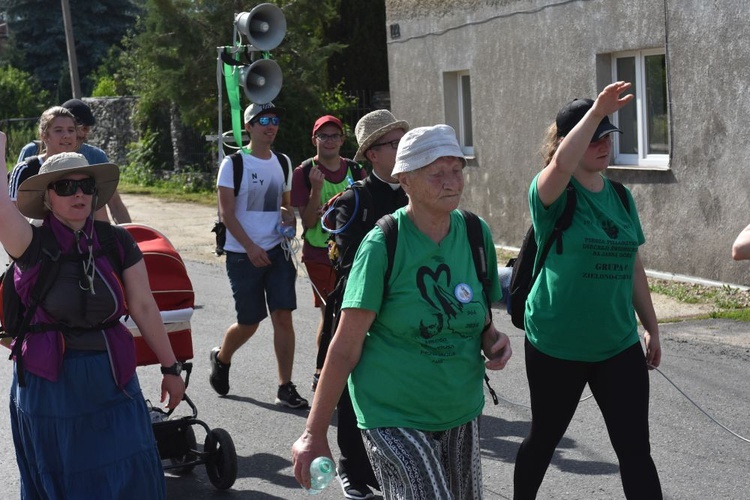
(38, 37)
(22, 101)
(20, 94)
(105, 87)
(363, 63)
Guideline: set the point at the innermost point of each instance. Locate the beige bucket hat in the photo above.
(372, 127)
(30, 199)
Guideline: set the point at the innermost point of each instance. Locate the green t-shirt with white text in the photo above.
(581, 305)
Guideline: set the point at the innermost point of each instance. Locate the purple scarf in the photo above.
(43, 351)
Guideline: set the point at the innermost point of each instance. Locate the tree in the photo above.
(38, 38)
(171, 58)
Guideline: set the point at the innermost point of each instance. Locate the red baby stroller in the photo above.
(174, 296)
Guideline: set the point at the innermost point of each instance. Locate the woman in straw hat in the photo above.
(80, 424)
(411, 349)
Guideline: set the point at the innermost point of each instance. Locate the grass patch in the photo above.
(166, 190)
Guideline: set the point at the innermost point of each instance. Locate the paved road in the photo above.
(696, 458)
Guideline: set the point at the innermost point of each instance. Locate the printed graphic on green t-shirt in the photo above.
(581, 307)
(426, 338)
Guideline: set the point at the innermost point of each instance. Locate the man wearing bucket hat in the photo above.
(356, 211)
(77, 360)
(314, 182)
(84, 121)
(416, 382)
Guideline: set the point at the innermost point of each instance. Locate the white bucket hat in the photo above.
(422, 145)
(30, 199)
(372, 127)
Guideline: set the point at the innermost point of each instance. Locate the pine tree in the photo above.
(38, 37)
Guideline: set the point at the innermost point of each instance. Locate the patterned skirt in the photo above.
(81, 437)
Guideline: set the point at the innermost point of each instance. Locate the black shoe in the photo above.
(219, 378)
(287, 396)
(316, 379)
(352, 490)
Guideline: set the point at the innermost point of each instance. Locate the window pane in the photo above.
(468, 133)
(627, 116)
(656, 105)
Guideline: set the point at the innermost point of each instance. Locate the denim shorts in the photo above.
(253, 287)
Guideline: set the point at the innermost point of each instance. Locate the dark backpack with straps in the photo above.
(237, 171)
(15, 318)
(523, 276)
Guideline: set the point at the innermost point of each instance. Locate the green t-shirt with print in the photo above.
(421, 365)
(581, 305)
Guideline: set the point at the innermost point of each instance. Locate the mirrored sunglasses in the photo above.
(69, 187)
(266, 120)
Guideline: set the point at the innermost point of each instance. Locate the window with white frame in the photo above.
(457, 95)
(645, 141)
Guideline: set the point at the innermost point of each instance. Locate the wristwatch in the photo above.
(175, 369)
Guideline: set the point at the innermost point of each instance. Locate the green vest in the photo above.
(315, 236)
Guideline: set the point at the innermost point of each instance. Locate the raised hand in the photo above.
(609, 99)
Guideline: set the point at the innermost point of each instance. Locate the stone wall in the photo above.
(114, 128)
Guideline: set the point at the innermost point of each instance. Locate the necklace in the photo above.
(88, 264)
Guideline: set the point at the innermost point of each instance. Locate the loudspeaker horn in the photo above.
(264, 26)
(261, 81)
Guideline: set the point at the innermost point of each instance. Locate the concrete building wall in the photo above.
(526, 58)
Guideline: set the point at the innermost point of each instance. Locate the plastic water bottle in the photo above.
(286, 231)
(322, 471)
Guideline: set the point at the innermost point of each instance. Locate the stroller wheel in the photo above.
(221, 462)
(191, 444)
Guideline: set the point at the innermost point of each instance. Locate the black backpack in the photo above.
(15, 318)
(237, 170)
(523, 276)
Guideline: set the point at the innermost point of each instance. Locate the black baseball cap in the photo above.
(570, 114)
(81, 111)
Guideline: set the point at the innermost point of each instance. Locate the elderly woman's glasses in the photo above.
(393, 143)
(69, 187)
(266, 120)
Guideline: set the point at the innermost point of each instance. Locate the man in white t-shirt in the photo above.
(260, 273)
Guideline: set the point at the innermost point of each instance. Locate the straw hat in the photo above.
(372, 127)
(423, 145)
(30, 199)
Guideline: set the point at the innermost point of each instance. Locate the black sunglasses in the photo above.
(69, 187)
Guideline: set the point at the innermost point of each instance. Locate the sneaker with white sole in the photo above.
(287, 395)
(354, 491)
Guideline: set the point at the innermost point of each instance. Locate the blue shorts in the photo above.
(253, 287)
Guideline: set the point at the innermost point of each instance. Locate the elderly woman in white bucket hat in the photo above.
(411, 348)
(74, 371)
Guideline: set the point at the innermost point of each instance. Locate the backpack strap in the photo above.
(109, 244)
(286, 165)
(475, 235)
(237, 169)
(388, 225)
(563, 222)
(621, 193)
(50, 265)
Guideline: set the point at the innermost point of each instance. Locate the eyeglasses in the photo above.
(393, 143)
(69, 187)
(266, 120)
(326, 137)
